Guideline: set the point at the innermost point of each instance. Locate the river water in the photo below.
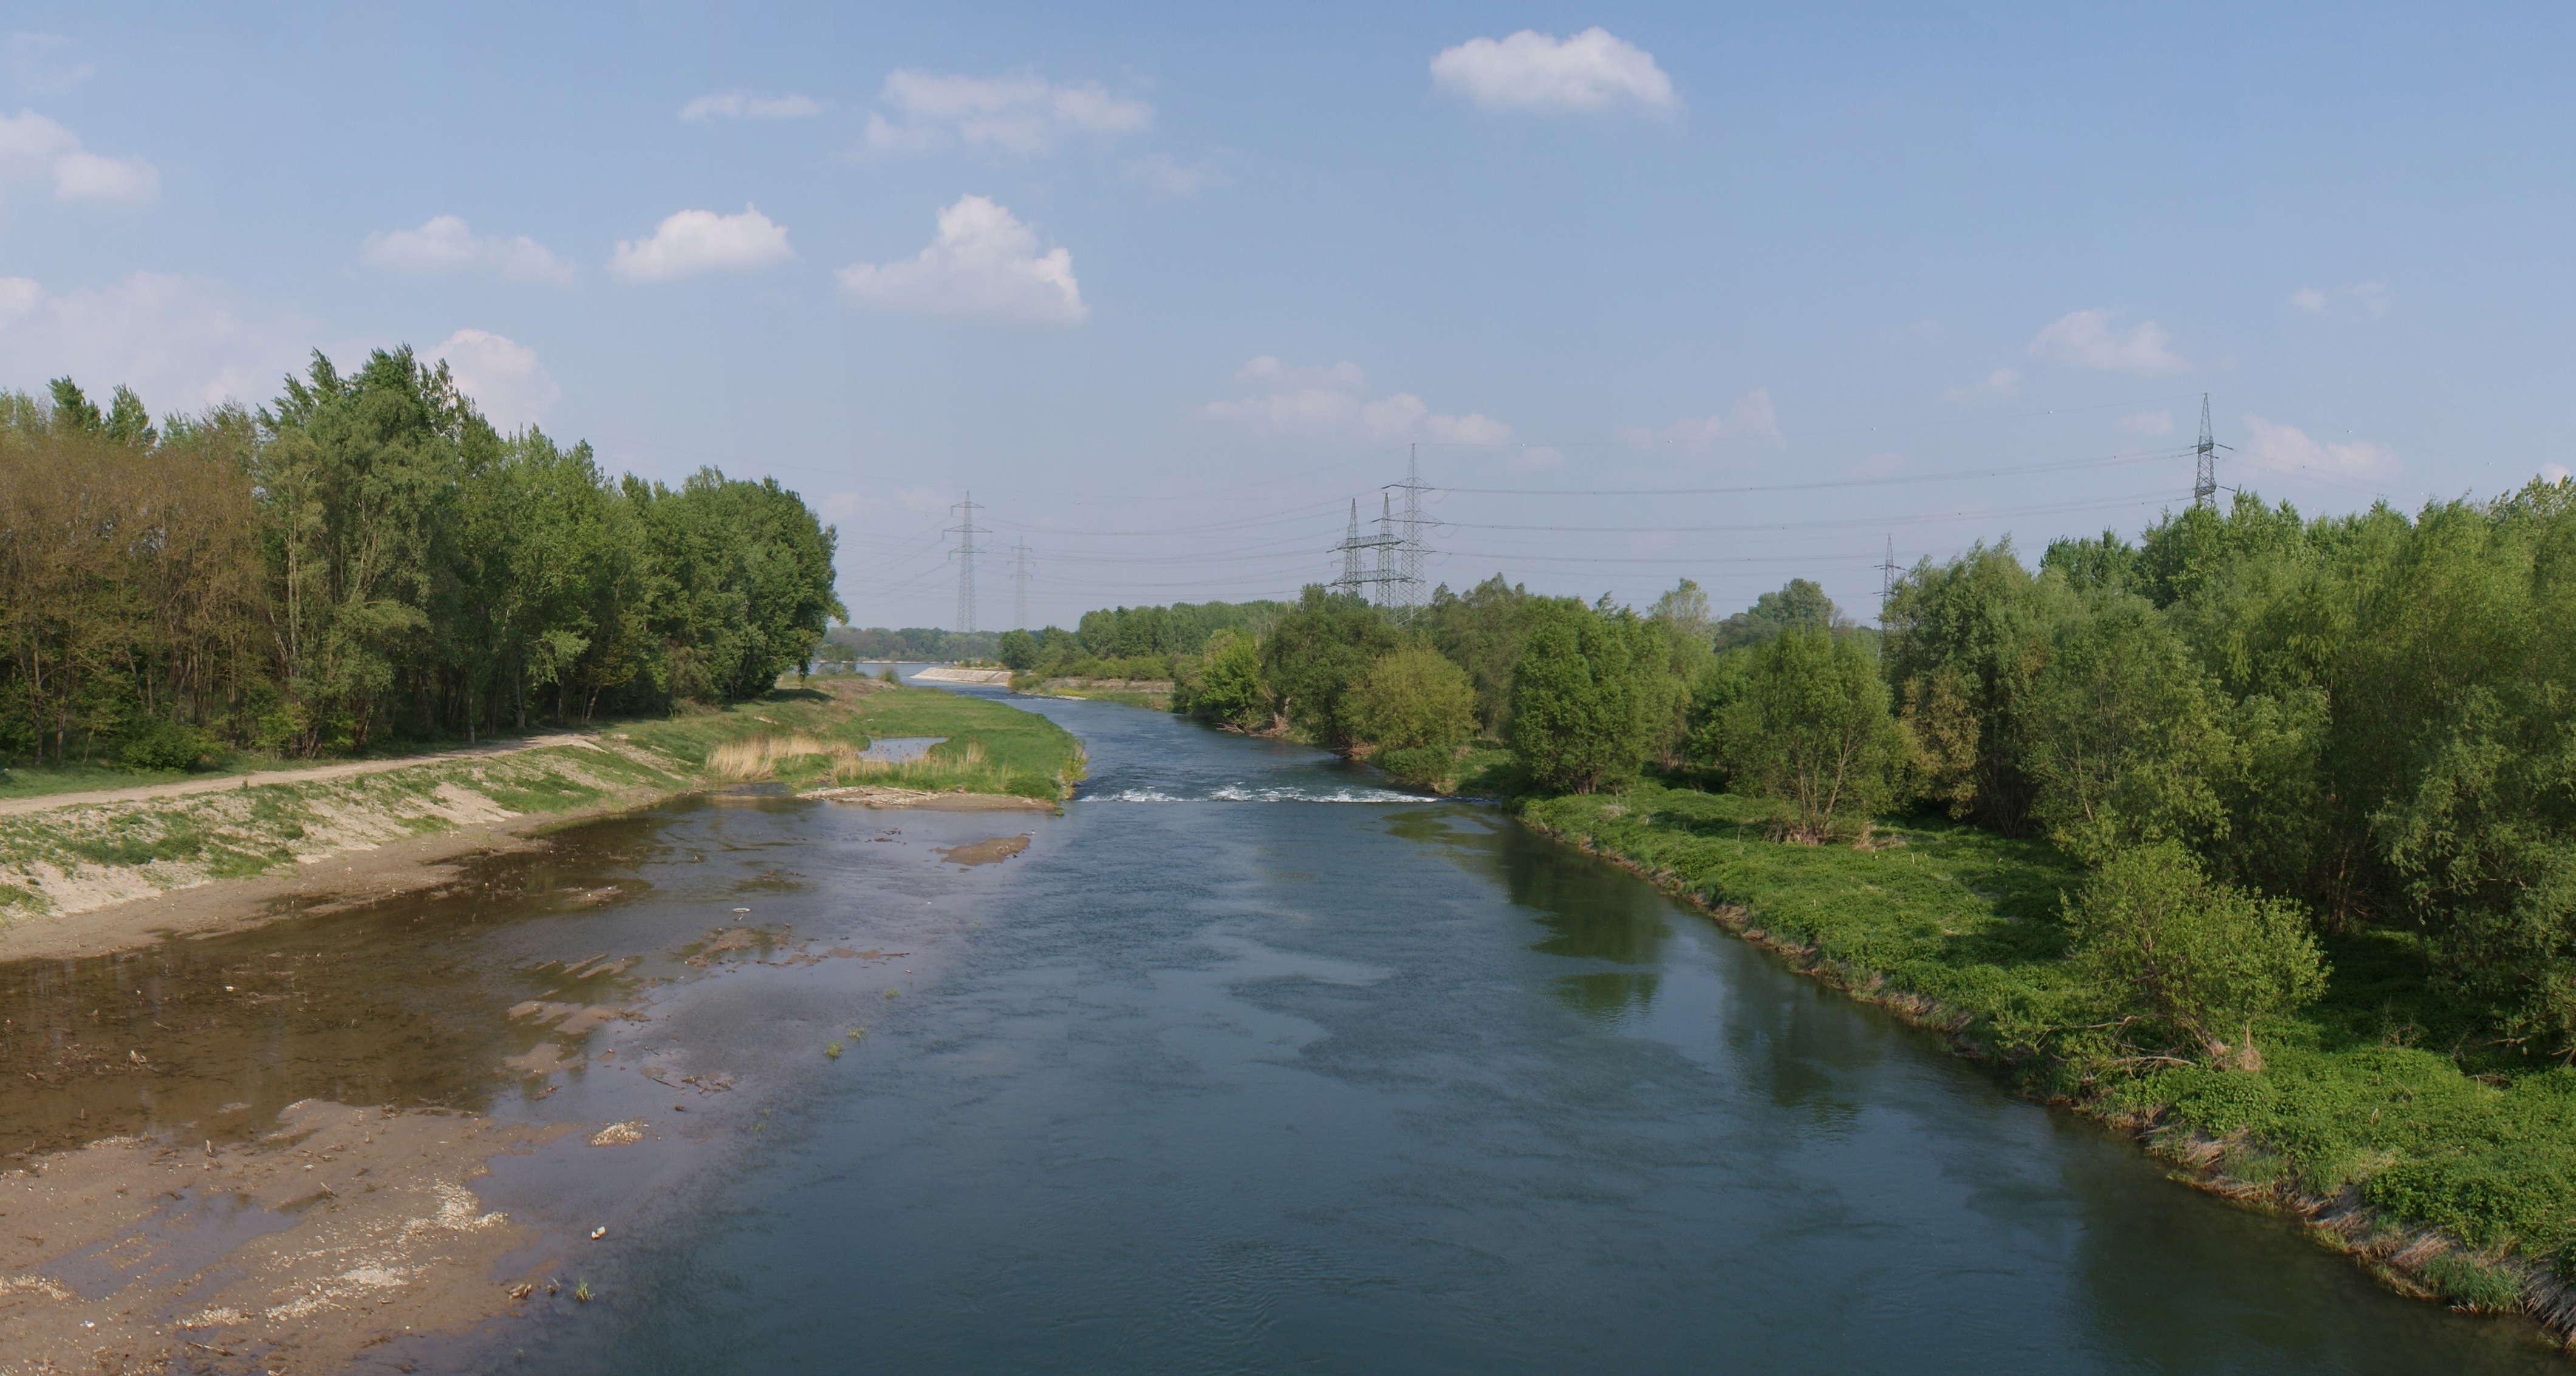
(1249, 1064)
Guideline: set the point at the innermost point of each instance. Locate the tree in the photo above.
(1798, 604)
(1684, 611)
(1018, 651)
(1579, 716)
(1223, 685)
(2166, 943)
(1483, 631)
(1316, 654)
(1416, 708)
(1965, 642)
(2125, 744)
(1805, 721)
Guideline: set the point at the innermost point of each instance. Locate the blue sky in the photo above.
(1167, 287)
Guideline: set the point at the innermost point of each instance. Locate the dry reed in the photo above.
(758, 757)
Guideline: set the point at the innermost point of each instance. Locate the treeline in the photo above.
(1131, 642)
(367, 559)
(2370, 719)
(918, 644)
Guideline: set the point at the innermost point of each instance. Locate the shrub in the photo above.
(2165, 942)
(162, 744)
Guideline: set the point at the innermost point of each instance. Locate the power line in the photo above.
(1826, 484)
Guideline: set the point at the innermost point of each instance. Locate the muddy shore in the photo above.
(380, 1129)
(332, 883)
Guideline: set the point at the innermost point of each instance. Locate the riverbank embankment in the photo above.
(88, 873)
(2446, 1167)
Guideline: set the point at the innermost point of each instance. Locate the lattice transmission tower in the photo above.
(1887, 582)
(1411, 555)
(965, 530)
(1386, 566)
(1020, 587)
(2204, 486)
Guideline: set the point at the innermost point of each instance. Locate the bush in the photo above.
(160, 744)
(1418, 767)
(2165, 942)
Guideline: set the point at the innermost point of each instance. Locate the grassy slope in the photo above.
(2380, 1095)
(162, 843)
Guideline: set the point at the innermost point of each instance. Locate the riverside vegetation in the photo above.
(78, 857)
(366, 563)
(2256, 836)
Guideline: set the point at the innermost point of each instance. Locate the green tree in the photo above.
(1316, 654)
(1965, 643)
(1483, 631)
(1416, 708)
(1798, 604)
(2166, 943)
(1580, 715)
(1225, 685)
(1806, 723)
(2124, 742)
(1019, 651)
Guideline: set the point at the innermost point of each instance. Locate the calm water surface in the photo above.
(1246, 1064)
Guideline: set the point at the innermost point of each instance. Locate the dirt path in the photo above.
(45, 802)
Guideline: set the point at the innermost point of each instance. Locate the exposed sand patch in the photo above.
(345, 1227)
(990, 851)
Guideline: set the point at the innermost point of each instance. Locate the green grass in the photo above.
(238, 831)
(2385, 1087)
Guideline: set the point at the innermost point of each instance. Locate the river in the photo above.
(1249, 1064)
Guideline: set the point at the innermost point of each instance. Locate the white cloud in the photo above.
(2553, 472)
(983, 263)
(2085, 339)
(509, 386)
(2002, 382)
(2355, 301)
(1161, 172)
(1748, 417)
(744, 105)
(2287, 446)
(1334, 403)
(183, 343)
(1588, 73)
(445, 243)
(41, 63)
(1020, 114)
(1535, 457)
(695, 241)
(2147, 423)
(35, 149)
